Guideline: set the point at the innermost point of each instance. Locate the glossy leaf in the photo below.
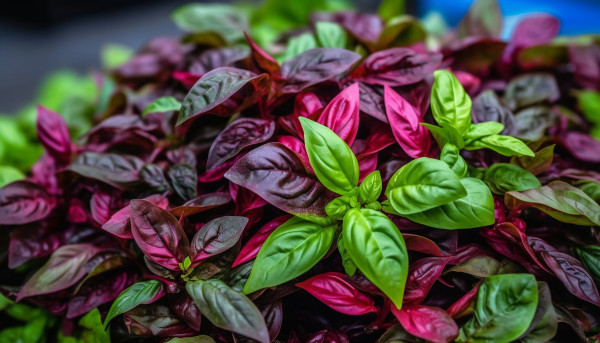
(158, 234)
(370, 188)
(119, 223)
(560, 200)
(278, 175)
(202, 203)
(290, 251)
(474, 210)
(376, 246)
(228, 309)
(430, 323)
(505, 177)
(330, 157)
(334, 291)
(404, 120)
(66, 266)
(545, 322)
(117, 170)
(253, 245)
(53, 133)
(341, 115)
(500, 300)
(184, 179)
(217, 87)
(143, 292)
(505, 145)
(484, 129)
(240, 134)
(451, 156)
(263, 60)
(450, 104)
(23, 202)
(423, 184)
(314, 66)
(217, 236)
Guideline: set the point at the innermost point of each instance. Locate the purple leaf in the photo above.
(202, 203)
(217, 236)
(158, 234)
(53, 134)
(23, 202)
(119, 223)
(183, 305)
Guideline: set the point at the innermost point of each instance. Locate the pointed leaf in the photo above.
(342, 114)
(143, 292)
(23, 202)
(217, 236)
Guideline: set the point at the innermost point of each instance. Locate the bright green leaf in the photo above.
(370, 188)
(331, 35)
(163, 104)
(505, 177)
(505, 145)
(451, 156)
(450, 104)
(390, 8)
(477, 131)
(139, 293)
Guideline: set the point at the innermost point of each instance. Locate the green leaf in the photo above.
(474, 210)
(297, 45)
(331, 35)
(331, 158)
(370, 188)
(338, 207)
(377, 248)
(9, 174)
(504, 309)
(545, 322)
(290, 251)
(423, 184)
(228, 309)
(538, 163)
(163, 104)
(591, 188)
(450, 104)
(445, 135)
(505, 145)
(559, 200)
(505, 177)
(477, 131)
(92, 322)
(225, 23)
(402, 30)
(349, 265)
(589, 255)
(451, 156)
(390, 8)
(114, 55)
(142, 292)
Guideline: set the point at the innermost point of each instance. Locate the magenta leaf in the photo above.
(342, 114)
(536, 29)
(250, 250)
(278, 175)
(430, 323)
(404, 120)
(183, 305)
(217, 236)
(23, 202)
(396, 67)
(582, 146)
(421, 244)
(53, 134)
(119, 223)
(314, 66)
(334, 291)
(422, 274)
(240, 134)
(65, 267)
(262, 60)
(158, 234)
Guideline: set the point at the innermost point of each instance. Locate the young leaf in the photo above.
(162, 104)
(334, 291)
(143, 292)
(484, 129)
(450, 104)
(500, 300)
(342, 114)
(474, 210)
(238, 135)
(290, 251)
(451, 156)
(423, 184)
(228, 309)
(314, 66)
(278, 175)
(218, 86)
(404, 120)
(65, 267)
(23, 202)
(505, 145)
(505, 177)
(331, 158)
(376, 246)
(445, 135)
(331, 35)
(370, 188)
(158, 234)
(430, 323)
(560, 200)
(217, 236)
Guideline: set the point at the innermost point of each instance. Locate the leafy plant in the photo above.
(302, 172)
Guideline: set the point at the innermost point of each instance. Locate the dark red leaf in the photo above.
(263, 61)
(430, 323)
(464, 305)
(421, 244)
(200, 204)
(250, 250)
(422, 274)
(341, 114)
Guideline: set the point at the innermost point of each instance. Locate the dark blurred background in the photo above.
(39, 36)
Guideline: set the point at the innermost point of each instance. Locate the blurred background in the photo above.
(40, 36)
